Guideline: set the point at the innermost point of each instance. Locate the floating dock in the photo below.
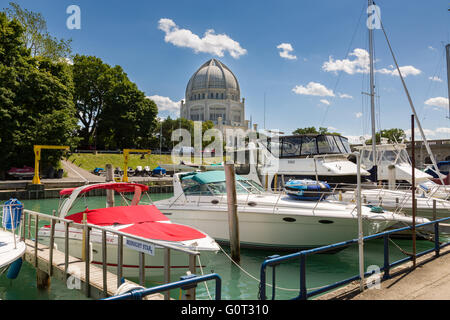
(76, 270)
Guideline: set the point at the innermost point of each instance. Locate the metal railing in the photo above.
(87, 228)
(187, 283)
(274, 261)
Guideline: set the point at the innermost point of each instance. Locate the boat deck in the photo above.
(76, 270)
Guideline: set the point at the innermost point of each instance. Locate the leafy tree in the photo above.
(35, 35)
(113, 112)
(393, 135)
(313, 130)
(35, 101)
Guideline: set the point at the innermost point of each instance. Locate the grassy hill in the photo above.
(89, 161)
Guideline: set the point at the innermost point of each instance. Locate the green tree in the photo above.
(313, 130)
(393, 135)
(113, 112)
(35, 35)
(36, 104)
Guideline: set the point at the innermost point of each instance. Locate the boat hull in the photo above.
(287, 232)
(154, 265)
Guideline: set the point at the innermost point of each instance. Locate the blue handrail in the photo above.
(304, 294)
(187, 283)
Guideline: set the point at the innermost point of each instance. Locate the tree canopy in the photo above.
(393, 135)
(35, 36)
(36, 104)
(313, 130)
(113, 112)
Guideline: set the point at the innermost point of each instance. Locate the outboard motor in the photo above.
(147, 171)
(139, 172)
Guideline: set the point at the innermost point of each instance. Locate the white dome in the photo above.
(213, 75)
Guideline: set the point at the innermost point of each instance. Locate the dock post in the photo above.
(233, 220)
(104, 259)
(167, 271)
(109, 193)
(42, 279)
(386, 256)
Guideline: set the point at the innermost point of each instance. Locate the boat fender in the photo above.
(14, 269)
(127, 287)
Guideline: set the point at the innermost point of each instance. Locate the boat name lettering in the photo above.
(140, 246)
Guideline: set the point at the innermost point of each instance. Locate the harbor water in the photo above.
(239, 282)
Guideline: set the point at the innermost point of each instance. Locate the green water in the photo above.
(238, 283)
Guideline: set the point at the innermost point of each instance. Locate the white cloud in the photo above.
(345, 96)
(405, 70)
(325, 101)
(435, 78)
(358, 115)
(443, 130)
(360, 64)
(431, 48)
(216, 44)
(166, 104)
(437, 102)
(286, 49)
(314, 89)
(417, 134)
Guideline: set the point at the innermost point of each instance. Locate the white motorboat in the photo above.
(12, 248)
(144, 221)
(272, 161)
(400, 200)
(268, 220)
(394, 155)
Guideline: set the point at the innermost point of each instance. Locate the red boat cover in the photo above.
(164, 231)
(116, 186)
(120, 215)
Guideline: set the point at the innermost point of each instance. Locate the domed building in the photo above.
(213, 93)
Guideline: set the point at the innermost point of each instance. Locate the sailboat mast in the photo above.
(447, 49)
(372, 90)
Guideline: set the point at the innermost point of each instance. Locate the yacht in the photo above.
(278, 159)
(268, 220)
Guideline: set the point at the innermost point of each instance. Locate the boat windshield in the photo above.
(308, 145)
(191, 187)
(386, 156)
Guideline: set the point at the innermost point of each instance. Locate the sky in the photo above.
(304, 62)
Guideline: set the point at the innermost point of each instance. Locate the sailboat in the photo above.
(391, 162)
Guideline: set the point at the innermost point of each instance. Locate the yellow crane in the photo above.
(126, 152)
(37, 158)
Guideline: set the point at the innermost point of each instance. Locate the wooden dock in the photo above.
(76, 270)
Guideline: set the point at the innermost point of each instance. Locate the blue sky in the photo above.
(318, 83)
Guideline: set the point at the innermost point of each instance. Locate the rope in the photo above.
(257, 280)
(201, 270)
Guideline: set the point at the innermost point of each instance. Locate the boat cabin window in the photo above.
(327, 144)
(309, 146)
(291, 146)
